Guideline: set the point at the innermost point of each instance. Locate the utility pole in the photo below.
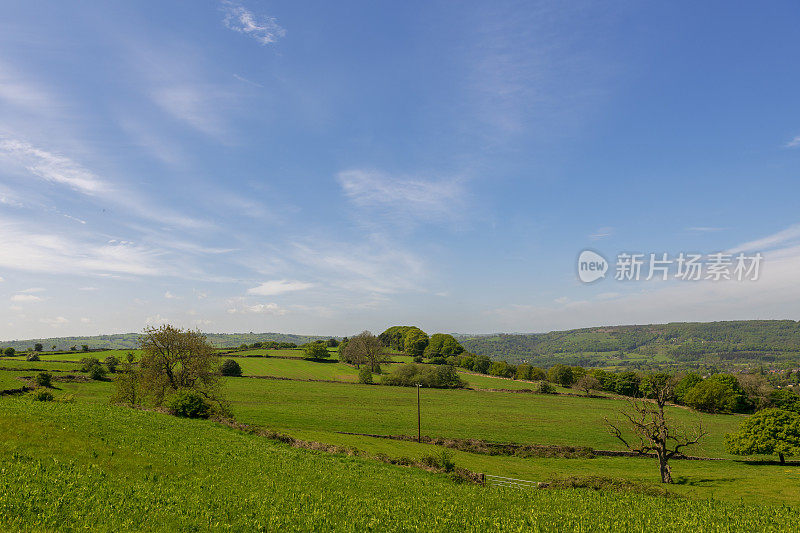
(419, 419)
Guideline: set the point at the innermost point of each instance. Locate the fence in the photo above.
(498, 481)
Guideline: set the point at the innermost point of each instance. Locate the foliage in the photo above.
(173, 359)
(9, 352)
(442, 345)
(315, 351)
(544, 387)
(188, 404)
(717, 394)
(627, 384)
(412, 374)
(365, 375)
(231, 368)
(44, 379)
(97, 372)
(42, 395)
(686, 384)
(32, 357)
(38, 347)
(785, 399)
(415, 341)
(111, 363)
(588, 383)
(770, 431)
(501, 369)
(364, 349)
(561, 374)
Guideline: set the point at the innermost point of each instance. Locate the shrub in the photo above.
(111, 363)
(718, 394)
(189, 404)
(231, 368)
(410, 374)
(438, 360)
(97, 372)
(42, 395)
(315, 350)
(417, 358)
(365, 375)
(88, 362)
(44, 379)
(32, 357)
(9, 351)
(446, 460)
(544, 387)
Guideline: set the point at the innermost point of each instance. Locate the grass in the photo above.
(298, 369)
(92, 466)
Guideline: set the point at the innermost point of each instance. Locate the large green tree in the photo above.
(443, 345)
(415, 342)
(768, 432)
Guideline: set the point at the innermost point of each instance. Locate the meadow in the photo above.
(320, 411)
(73, 466)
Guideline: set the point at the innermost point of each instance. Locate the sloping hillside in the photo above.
(763, 341)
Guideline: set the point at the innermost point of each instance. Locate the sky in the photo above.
(329, 167)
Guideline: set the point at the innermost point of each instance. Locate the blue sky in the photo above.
(326, 168)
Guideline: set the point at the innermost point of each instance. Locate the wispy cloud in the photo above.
(704, 229)
(601, 233)
(279, 286)
(196, 104)
(52, 167)
(25, 298)
(264, 309)
(57, 321)
(794, 143)
(402, 199)
(265, 30)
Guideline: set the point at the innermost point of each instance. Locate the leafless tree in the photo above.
(655, 433)
(363, 349)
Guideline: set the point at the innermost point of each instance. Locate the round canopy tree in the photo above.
(768, 432)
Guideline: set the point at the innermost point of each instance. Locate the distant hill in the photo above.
(127, 341)
(747, 341)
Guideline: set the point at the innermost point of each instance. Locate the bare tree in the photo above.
(365, 348)
(654, 431)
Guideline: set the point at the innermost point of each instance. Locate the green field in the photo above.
(126, 470)
(317, 411)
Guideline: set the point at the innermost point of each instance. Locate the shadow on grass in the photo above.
(703, 482)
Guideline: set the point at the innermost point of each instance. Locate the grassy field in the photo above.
(127, 470)
(317, 411)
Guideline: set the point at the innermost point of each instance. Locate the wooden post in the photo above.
(419, 419)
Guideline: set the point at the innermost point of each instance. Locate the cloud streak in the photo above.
(279, 286)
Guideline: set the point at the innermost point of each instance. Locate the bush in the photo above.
(97, 372)
(315, 350)
(111, 363)
(231, 368)
(446, 461)
(365, 375)
(544, 387)
(32, 357)
(9, 351)
(44, 379)
(417, 358)
(88, 362)
(189, 404)
(439, 377)
(718, 394)
(42, 395)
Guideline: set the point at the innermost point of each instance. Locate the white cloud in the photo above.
(25, 298)
(196, 104)
(32, 290)
(57, 321)
(265, 30)
(88, 289)
(267, 309)
(169, 296)
(279, 286)
(52, 167)
(794, 143)
(85, 320)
